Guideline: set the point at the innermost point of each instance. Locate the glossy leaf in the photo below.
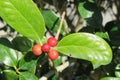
(112, 26)
(86, 46)
(103, 35)
(22, 43)
(52, 20)
(58, 61)
(113, 30)
(55, 76)
(110, 78)
(10, 75)
(8, 56)
(117, 71)
(27, 76)
(24, 17)
(96, 20)
(28, 62)
(6, 42)
(91, 1)
(84, 12)
(89, 11)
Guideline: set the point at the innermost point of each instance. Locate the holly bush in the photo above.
(90, 50)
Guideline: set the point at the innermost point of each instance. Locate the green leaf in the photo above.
(55, 76)
(52, 20)
(112, 26)
(8, 56)
(115, 28)
(22, 43)
(89, 11)
(10, 75)
(117, 70)
(6, 42)
(110, 78)
(103, 35)
(27, 76)
(58, 61)
(91, 1)
(84, 12)
(114, 33)
(86, 46)
(24, 17)
(96, 20)
(28, 62)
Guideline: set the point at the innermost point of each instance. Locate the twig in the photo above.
(58, 69)
(62, 67)
(59, 29)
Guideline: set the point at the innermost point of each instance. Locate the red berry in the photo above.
(53, 54)
(46, 47)
(52, 41)
(37, 50)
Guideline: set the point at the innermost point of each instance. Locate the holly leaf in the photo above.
(84, 10)
(52, 20)
(117, 70)
(103, 35)
(24, 17)
(91, 13)
(10, 75)
(8, 56)
(6, 42)
(86, 46)
(110, 78)
(28, 62)
(58, 61)
(92, 1)
(22, 43)
(27, 76)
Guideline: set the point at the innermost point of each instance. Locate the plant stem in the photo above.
(60, 26)
(16, 69)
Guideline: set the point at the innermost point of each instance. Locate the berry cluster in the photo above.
(46, 47)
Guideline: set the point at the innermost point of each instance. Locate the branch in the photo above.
(52, 72)
(60, 27)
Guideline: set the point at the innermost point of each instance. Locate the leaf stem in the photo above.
(40, 42)
(60, 26)
(17, 69)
